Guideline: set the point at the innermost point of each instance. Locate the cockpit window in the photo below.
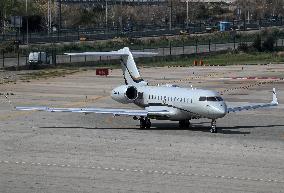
(211, 99)
(217, 98)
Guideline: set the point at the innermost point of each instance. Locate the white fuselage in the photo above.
(182, 103)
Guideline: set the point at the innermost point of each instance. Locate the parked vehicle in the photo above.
(39, 58)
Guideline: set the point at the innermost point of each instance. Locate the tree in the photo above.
(268, 44)
(257, 43)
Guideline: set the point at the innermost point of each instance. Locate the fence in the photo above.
(136, 31)
(19, 60)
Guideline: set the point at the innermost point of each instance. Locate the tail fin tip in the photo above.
(274, 97)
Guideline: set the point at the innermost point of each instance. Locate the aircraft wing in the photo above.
(247, 107)
(114, 112)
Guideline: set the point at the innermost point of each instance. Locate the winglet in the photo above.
(274, 97)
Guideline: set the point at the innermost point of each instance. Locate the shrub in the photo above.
(257, 43)
(243, 47)
(268, 44)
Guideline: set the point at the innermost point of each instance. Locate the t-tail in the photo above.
(130, 71)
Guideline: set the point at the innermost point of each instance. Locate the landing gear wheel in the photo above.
(184, 124)
(213, 128)
(142, 123)
(145, 123)
(148, 123)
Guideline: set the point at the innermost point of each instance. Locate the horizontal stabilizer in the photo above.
(121, 52)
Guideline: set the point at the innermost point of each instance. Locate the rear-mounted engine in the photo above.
(125, 94)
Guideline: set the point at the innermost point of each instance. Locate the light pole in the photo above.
(187, 14)
(27, 22)
(49, 16)
(171, 7)
(106, 15)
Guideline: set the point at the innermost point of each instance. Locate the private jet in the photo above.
(163, 102)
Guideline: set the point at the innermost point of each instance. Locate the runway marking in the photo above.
(143, 171)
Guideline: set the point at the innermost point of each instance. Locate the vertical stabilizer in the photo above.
(129, 69)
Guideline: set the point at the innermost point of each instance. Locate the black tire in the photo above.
(181, 124)
(184, 124)
(213, 130)
(142, 124)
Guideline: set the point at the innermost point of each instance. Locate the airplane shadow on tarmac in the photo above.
(174, 126)
(198, 127)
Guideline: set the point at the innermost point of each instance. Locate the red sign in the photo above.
(102, 71)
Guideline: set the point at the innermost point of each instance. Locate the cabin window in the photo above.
(202, 99)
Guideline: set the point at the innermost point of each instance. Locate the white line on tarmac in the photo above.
(144, 171)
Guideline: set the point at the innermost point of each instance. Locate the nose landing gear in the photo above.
(213, 128)
(145, 123)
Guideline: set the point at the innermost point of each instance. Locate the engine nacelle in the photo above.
(124, 94)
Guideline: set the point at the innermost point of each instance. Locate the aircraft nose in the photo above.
(221, 110)
(218, 111)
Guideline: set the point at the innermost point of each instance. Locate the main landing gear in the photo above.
(145, 123)
(213, 128)
(184, 124)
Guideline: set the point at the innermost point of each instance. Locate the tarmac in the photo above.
(73, 152)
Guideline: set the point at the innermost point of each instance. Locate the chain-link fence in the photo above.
(18, 60)
(77, 34)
